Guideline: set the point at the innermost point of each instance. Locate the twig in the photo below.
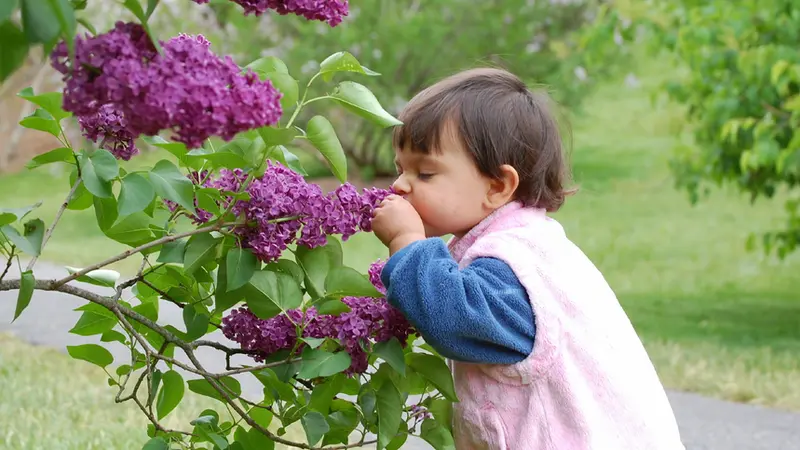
(127, 253)
(123, 314)
(8, 263)
(60, 212)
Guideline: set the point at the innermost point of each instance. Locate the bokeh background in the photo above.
(646, 88)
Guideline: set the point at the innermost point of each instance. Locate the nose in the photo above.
(401, 185)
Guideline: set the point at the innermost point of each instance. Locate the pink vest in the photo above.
(588, 384)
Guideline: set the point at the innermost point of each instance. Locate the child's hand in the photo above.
(397, 223)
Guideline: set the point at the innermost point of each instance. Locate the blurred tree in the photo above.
(741, 90)
(414, 43)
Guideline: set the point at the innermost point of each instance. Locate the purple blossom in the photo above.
(370, 320)
(108, 126)
(283, 209)
(330, 11)
(188, 90)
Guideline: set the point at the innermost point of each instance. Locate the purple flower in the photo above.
(188, 90)
(370, 320)
(108, 126)
(284, 209)
(330, 11)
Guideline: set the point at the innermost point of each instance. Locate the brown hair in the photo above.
(500, 121)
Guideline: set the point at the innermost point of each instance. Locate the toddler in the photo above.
(543, 356)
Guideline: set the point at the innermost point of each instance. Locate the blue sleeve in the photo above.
(478, 314)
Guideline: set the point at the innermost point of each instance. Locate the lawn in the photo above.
(715, 318)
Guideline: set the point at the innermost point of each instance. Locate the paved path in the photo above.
(706, 424)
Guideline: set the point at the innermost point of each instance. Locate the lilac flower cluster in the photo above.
(330, 11)
(108, 126)
(283, 209)
(188, 89)
(370, 320)
(420, 412)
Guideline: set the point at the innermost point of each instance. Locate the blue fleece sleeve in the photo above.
(478, 314)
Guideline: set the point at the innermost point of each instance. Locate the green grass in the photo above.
(49, 401)
(715, 318)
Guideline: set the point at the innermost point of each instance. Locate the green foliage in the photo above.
(741, 90)
(416, 43)
(204, 271)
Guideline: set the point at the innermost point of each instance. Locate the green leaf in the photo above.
(98, 277)
(40, 21)
(196, 322)
(271, 292)
(317, 262)
(61, 154)
(287, 266)
(288, 159)
(241, 265)
(268, 64)
(86, 24)
(49, 101)
(156, 443)
(332, 307)
(321, 134)
(14, 49)
(389, 408)
(319, 363)
(171, 393)
(172, 252)
(171, 184)
(26, 285)
(276, 136)
(92, 353)
(112, 335)
(6, 8)
(434, 370)
(95, 320)
(315, 426)
(43, 121)
(65, 14)
(200, 249)
(91, 179)
(19, 213)
(133, 230)
(136, 8)
(30, 242)
(105, 210)
(178, 149)
(204, 388)
(151, 7)
(438, 436)
(342, 62)
(286, 85)
(313, 342)
(105, 164)
(135, 194)
(7, 218)
(344, 281)
(361, 101)
(82, 199)
(392, 352)
(229, 156)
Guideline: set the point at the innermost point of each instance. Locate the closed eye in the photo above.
(425, 176)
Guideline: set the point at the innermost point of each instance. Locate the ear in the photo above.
(502, 189)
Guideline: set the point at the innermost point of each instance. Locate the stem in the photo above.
(123, 314)
(8, 263)
(138, 249)
(60, 212)
(302, 101)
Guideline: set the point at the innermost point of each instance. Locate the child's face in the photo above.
(445, 187)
